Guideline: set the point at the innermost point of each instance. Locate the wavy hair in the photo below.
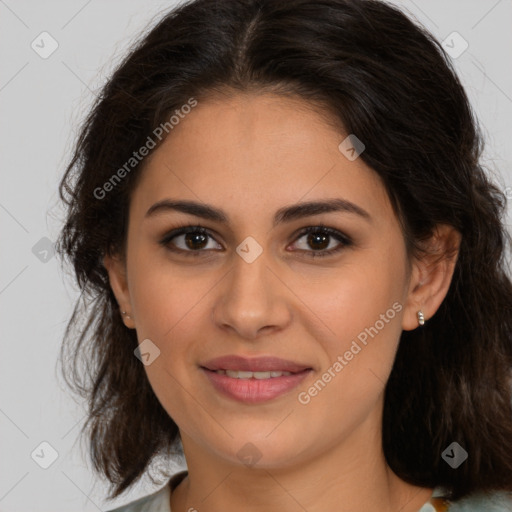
(385, 79)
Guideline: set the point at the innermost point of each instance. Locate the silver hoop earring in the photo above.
(421, 318)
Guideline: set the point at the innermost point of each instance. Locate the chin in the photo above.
(259, 447)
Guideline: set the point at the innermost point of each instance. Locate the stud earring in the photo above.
(126, 314)
(421, 318)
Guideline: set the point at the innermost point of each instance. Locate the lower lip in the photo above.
(252, 390)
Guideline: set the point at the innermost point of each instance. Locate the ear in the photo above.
(431, 275)
(116, 268)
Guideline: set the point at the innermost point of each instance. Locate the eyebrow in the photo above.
(285, 214)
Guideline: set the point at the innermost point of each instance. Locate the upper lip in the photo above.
(254, 364)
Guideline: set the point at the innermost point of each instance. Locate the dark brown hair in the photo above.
(389, 82)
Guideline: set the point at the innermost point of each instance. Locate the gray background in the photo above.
(42, 102)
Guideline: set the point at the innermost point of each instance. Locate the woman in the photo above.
(293, 267)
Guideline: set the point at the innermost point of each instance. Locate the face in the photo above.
(326, 289)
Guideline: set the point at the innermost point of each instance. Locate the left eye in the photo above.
(193, 239)
(320, 239)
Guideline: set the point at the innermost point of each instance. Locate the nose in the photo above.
(252, 300)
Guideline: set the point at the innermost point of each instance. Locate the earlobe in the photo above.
(116, 269)
(431, 277)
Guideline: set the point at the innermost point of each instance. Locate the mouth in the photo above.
(254, 365)
(240, 374)
(254, 380)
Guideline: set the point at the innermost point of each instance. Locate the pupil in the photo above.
(317, 237)
(192, 238)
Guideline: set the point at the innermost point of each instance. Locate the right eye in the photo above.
(188, 240)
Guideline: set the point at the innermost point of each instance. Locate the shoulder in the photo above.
(489, 502)
(159, 501)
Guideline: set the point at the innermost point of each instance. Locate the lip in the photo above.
(254, 391)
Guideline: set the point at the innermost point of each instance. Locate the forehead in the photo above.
(256, 152)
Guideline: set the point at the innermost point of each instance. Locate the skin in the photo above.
(250, 155)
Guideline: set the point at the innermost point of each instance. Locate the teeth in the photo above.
(239, 375)
(234, 374)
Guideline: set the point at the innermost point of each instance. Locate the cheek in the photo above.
(170, 306)
(355, 297)
(350, 384)
(361, 311)
(162, 294)
(170, 315)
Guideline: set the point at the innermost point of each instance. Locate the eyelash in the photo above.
(189, 228)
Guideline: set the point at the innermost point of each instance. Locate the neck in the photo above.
(352, 476)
